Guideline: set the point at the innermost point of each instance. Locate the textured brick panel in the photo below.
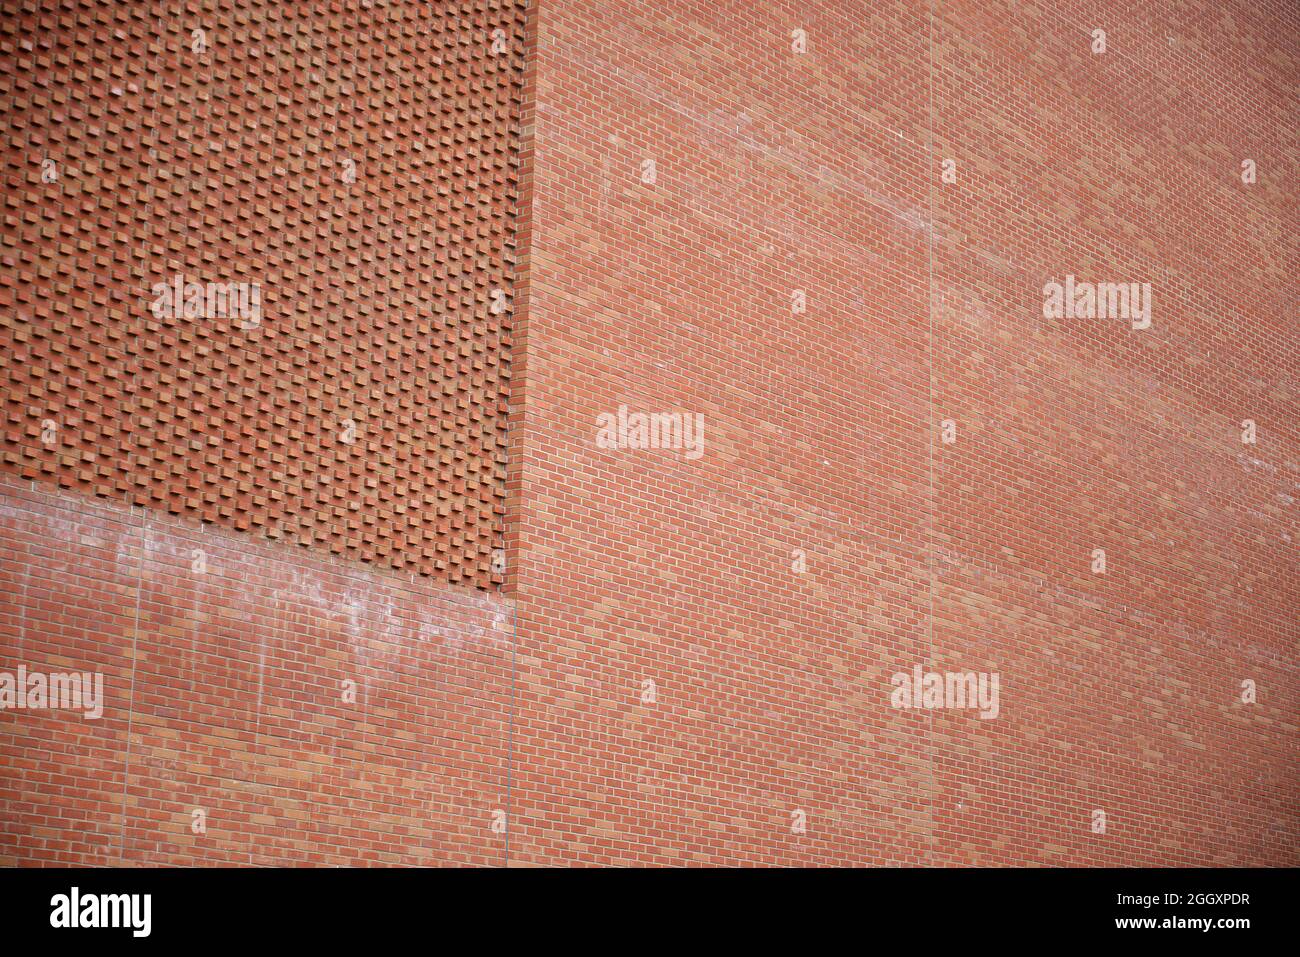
(356, 167)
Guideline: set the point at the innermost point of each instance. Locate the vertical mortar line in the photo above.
(514, 610)
(206, 126)
(514, 674)
(191, 659)
(929, 247)
(151, 157)
(514, 655)
(22, 611)
(279, 627)
(45, 155)
(519, 292)
(130, 708)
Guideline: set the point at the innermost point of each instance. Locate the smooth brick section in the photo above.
(227, 664)
(822, 172)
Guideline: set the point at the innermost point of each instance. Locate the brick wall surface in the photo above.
(359, 162)
(769, 737)
(740, 211)
(260, 707)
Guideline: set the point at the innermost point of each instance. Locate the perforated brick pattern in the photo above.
(354, 166)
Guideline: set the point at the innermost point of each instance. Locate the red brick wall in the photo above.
(314, 712)
(691, 661)
(358, 162)
(821, 172)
